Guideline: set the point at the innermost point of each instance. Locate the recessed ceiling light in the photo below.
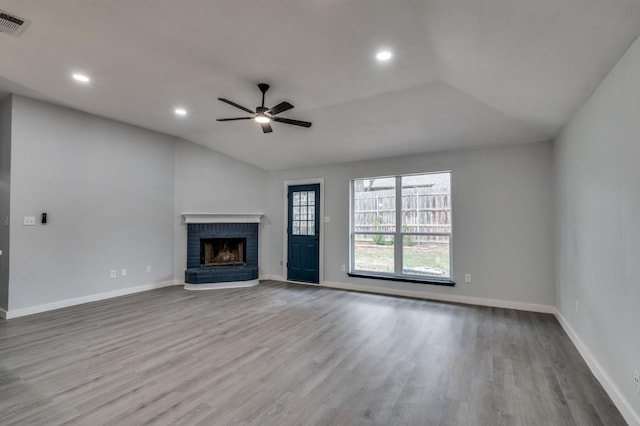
(180, 111)
(384, 55)
(81, 78)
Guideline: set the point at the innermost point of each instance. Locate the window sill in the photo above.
(415, 280)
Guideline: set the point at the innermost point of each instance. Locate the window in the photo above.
(401, 227)
(304, 220)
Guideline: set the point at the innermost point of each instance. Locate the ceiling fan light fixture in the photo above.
(264, 115)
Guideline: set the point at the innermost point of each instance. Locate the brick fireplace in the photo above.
(222, 251)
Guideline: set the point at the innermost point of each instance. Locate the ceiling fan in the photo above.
(264, 115)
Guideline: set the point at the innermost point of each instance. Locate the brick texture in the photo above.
(195, 274)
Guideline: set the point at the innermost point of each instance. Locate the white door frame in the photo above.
(285, 235)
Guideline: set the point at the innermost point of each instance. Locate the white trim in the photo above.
(214, 286)
(271, 277)
(398, 255)
(628, 412)
(15, 313)
(398, 234)
(285, 236)
(3, 313)
(466, 300)
(222, 217)
(626, 409)
(279, 278)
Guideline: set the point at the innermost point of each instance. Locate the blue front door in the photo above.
(303, 231)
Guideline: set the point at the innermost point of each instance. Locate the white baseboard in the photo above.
(281, 279)
(217, 286)
(15, 313)
(628, 412)
(273, 278)
(466, 300)
(630, 415)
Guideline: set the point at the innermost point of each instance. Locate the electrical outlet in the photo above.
(343, 268)
(148, 269)
(124, 272)
(636, 379)
(467, 278)
(114, 274)
(29, 220)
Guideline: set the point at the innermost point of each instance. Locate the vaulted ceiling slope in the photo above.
(465, 72)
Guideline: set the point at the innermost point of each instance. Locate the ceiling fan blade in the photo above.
(233, 119)
(281, 107)
(266, 128)
(227, 101)
(294, 122)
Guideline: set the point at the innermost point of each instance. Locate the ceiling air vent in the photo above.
(12, 24)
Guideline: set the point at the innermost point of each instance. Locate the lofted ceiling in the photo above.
(465, 73)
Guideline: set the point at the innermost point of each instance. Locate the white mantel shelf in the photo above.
(222, 217)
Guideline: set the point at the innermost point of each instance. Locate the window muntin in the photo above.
(374, 253)
(427, 256)
(422, 205)
(304, 220)
(374, 207)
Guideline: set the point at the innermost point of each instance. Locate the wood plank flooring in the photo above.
(283, 354)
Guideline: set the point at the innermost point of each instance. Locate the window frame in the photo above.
(399, 235)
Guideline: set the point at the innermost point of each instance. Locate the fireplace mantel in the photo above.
(222, 217)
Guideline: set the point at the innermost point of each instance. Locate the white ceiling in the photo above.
(465, 72)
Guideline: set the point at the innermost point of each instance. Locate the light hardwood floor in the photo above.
(282, 354)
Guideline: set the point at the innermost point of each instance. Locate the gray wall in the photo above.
(5, 186)
(108, 190)
(502, 219)
(210, 182)
(598, 224)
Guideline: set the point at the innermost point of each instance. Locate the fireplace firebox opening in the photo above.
(223, 251)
